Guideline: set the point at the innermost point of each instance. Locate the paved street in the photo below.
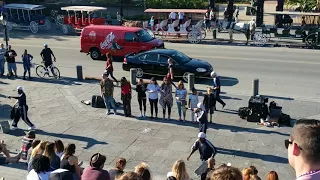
(288, 76)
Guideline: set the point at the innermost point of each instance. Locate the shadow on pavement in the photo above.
(63, 80)
(42, 34)
(244, 129)
(5, 110)
(1, 82)
(278, 97)
(19, 165)
(268, 158)
(90, 141)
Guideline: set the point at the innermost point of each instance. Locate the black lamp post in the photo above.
(4, 23)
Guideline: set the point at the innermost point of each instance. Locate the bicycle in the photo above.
(42, 71)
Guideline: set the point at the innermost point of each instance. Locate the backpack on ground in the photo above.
(243, 112)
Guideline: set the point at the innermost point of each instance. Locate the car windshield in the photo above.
(181, 58)
(144, 36)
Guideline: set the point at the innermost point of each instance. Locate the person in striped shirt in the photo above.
(26, 144)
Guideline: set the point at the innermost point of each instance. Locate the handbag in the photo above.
(13, 113)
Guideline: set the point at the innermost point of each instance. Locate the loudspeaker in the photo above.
(254, 117)
(97, 102)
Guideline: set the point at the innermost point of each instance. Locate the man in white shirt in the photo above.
(172, 16)
(303, 149)
(2, 61)
(181, 17)
(119, 18)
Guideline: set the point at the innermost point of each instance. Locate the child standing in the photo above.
(209, 102)
(141, 90)
(193, 101)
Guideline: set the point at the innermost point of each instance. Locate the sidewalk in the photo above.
(56, 110)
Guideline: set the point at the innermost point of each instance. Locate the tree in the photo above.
(303, 5)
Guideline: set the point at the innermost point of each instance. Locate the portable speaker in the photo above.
(97, 102)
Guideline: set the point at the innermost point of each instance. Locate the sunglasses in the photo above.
(287, 142)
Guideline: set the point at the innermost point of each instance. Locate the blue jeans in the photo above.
(2, 66)
(181, 109)
(109, 102)
(12, 66)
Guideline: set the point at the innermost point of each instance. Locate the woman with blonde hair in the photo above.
(38, 150)
(247, 173)
(143, 170)
(179, 170)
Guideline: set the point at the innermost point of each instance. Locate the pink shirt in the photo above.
(313, 176)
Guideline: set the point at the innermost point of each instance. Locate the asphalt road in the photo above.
(283, 73)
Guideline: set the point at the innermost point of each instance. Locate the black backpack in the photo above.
(285, 120)
(243, 112)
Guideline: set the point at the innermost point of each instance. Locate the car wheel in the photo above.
(139, 73)
(185, 76)
(95, 53)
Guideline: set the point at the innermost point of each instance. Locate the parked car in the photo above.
(97, 40)
(155, 62)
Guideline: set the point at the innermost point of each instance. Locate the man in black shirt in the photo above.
(23, 110)
(10, 56)
(46, 55)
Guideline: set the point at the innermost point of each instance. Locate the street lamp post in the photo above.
(4, 23)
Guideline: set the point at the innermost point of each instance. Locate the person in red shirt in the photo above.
(109, 67)
(126, 96)
(95, 171)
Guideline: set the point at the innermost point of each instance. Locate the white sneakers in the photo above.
(30, 128)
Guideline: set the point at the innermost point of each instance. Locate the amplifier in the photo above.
(254, 117)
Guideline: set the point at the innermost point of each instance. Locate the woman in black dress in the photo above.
(141, 90)
(209, 102)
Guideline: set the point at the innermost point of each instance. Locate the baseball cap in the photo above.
(20, 88)
(45, 45)
(213, 73)
(61, 174)
(201, 135)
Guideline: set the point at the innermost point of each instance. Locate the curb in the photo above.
(244, 44)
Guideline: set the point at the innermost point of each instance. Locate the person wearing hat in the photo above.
(11, 61)
(95, 171)
(202, 117)
(23, 109)
(205, 147)
(106, 90)
(2, 61)
(217, 88)
(46, 55)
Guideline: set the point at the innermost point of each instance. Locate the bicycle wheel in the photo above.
(41, 71)
(56, 73)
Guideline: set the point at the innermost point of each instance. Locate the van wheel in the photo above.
(95, 53)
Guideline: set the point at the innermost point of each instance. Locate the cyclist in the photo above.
(46, 55)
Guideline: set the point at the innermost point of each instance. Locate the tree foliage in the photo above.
(303, 5)
(177, 4)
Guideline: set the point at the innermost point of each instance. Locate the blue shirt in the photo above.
(26, 58)
(181, 94)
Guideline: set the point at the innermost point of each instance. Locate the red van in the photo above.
(97, 40)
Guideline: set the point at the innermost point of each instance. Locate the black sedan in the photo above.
(155, 62)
